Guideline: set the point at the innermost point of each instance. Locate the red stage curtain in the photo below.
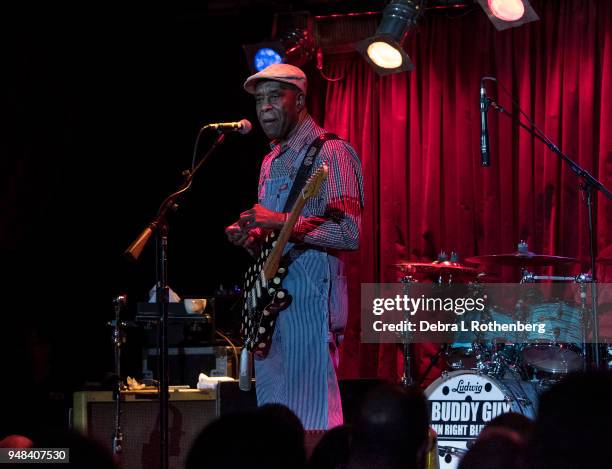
(418, 137)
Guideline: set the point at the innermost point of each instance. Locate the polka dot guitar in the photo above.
(264, 296)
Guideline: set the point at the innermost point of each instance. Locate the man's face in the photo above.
(278, 108)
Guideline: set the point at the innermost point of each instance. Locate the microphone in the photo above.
(484, 130)
(242, 127)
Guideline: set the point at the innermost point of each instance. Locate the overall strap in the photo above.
(306, 167)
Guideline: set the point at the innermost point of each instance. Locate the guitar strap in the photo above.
(306, 168)
(300, 180)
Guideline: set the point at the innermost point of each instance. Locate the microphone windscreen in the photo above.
(245, 126)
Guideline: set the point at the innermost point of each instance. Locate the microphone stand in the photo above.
(588, 185)
(118, 339)
(159, 225)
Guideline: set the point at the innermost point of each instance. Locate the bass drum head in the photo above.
(462, 402)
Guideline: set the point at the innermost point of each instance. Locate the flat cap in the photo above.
(278, 72)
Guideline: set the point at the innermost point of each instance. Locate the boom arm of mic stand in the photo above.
(590, 180)
(135, 249)
(590, 183)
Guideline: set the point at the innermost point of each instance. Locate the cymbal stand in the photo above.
(582, 281)
(406, 379)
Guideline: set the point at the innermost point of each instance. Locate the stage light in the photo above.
(384, 55)
(266, 56)
(507, 10)
(384, 50)
(295, 47)
(506, 14)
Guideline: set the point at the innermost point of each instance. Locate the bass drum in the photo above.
(462, 402)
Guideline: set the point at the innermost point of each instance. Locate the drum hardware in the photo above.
(497, 365)
(406, 379)
(529, 277)
(408, 279)
(524, 401)
(447, 452)
(432, 362)
(584, 278)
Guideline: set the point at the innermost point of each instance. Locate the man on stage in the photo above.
(300, 370)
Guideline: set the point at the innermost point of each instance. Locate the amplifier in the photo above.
(188, 412)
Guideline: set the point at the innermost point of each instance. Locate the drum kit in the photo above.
(495, 374)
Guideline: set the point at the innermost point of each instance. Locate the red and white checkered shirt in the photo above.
(336, 211)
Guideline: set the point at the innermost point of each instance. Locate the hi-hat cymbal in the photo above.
(520, 259)
(437, 267)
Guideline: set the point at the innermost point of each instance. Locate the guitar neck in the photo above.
(274, 258)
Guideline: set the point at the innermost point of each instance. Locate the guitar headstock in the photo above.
(313, 185)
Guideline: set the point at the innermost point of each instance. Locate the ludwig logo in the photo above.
(467, 387)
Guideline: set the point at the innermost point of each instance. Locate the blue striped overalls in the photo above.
(299, 371)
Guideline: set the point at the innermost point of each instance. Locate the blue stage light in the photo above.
(264, 57)
(294, 46)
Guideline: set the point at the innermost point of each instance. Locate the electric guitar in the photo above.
(264, 296)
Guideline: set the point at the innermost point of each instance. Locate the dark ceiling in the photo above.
(318, 7)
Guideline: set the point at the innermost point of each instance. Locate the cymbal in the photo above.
(520, 259)
(437, 267)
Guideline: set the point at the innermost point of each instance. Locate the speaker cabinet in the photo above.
(188, 412)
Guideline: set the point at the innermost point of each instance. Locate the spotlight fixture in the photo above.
(506, 14)
(384, 50)
(295, 47)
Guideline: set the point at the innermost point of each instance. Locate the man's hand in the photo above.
(260, 216)
(244, 238)
(236, 235)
